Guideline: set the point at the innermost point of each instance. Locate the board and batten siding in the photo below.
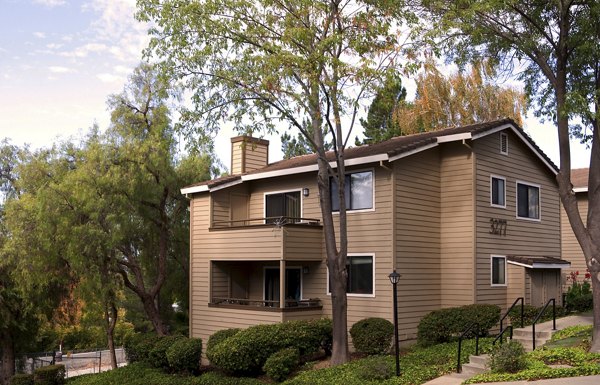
(570, 248)
(457, 225)
(417, 237)
(523, 237)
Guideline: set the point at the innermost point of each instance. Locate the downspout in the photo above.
(474, 219)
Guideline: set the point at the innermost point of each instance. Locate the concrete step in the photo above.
(528, 342)
(479, 360)
(476, 365)
(528, 333)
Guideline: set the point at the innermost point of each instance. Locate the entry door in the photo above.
(545, 284)
(293, 284)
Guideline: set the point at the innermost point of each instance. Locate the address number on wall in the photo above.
(497, 226)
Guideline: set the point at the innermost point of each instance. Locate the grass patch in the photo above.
(582, 364)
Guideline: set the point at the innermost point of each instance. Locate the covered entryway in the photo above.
(543, 277)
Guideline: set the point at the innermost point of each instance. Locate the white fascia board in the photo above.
(523, 139)
(313, 167)
(580, 189)
(412, 152)
(453, 138)
(552, 266)
(228, 184)
(194, 189)
(519, 264)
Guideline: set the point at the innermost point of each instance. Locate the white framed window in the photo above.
(498, 270)
(359, 191)
(528, 201)
(361, 275)
(283, 204)
(497, 191)
(503, 143)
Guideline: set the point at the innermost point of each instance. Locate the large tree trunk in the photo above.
(110, 316)
(153, 314)
(7, 347)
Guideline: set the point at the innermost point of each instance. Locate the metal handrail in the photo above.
(510, 308)
(499, 337)
(464, 333)
(553, 300)
(265, 220)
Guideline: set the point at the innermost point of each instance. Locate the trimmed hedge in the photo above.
(247, 351)
(49, 375)
(184, 355)
(218, 337)
(22, 379)
(372, 335)
(441, 325)
(530, 312)
(138, 346)
(279, 365)
(157, 356)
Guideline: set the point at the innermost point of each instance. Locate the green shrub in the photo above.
(247, 351)
(280, 364)
(49, 375)
(441, 325)
(508, 358)
(22, 379)
(530, 312)
(376, 371)
(579, 297)
(157, 356)
(138, 346)
(372, 335)
(184, 355)
(218, 337)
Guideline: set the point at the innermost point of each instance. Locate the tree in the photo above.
(382, 122)
(556, 43)
(458, 99)
(259, 63)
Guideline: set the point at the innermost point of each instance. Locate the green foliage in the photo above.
(184, 355)
(530, 312)
(49, 375)
(372, 335)
(280, 364)
(573, 331)
(247, 351)
(22, 379)
(579, 297)
(441, 325)
(138, 346)
(583, 364)
(508, 358)
(157, 356)
(218, 337)
(376, 371)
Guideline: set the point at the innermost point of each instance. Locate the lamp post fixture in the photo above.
(394, 278)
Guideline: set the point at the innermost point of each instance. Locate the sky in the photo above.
(61, 59)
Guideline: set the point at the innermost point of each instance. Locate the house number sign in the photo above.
(497, 226)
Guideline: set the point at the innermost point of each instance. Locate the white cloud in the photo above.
(39, 35)
(60, 69)
(85, 50)
(110, 78)
(50, 3)
(53, 46)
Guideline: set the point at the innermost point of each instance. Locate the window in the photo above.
(503, 143)
(360, 275)
(293, 285)
(528, 201)
(498, 191)
(359, 191)
(286, 204)
(498, 270)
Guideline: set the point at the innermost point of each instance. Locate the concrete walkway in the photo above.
(561, 323)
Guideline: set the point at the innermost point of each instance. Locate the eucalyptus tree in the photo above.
(555, 43)
(267, 63)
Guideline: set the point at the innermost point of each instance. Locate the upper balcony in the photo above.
(274, 238)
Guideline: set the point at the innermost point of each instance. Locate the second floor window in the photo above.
(498, 191)
(286, 204)
(358, 190)
(528, 201)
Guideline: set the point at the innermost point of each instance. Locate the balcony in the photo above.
(291, 305)
(275, 238)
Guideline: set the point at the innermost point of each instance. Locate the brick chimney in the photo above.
(248, 154)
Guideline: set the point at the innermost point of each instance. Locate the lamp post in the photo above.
(394, 278)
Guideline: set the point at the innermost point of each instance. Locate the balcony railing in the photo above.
(267, 305)
(276, 221)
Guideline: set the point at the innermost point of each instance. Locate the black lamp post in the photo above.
(394, 278)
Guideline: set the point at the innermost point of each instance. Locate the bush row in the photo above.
(245, 352)
(47, 375)
(440, 325)
(530, 312)
(170, 353)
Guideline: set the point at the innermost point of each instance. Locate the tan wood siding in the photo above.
(515, 284)
(457, 227)
(256, 156)
(303, 243)
(570, 249)
(236, 158)
(523, 237)
(417, 213)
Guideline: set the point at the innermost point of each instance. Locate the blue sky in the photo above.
(60, 59)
